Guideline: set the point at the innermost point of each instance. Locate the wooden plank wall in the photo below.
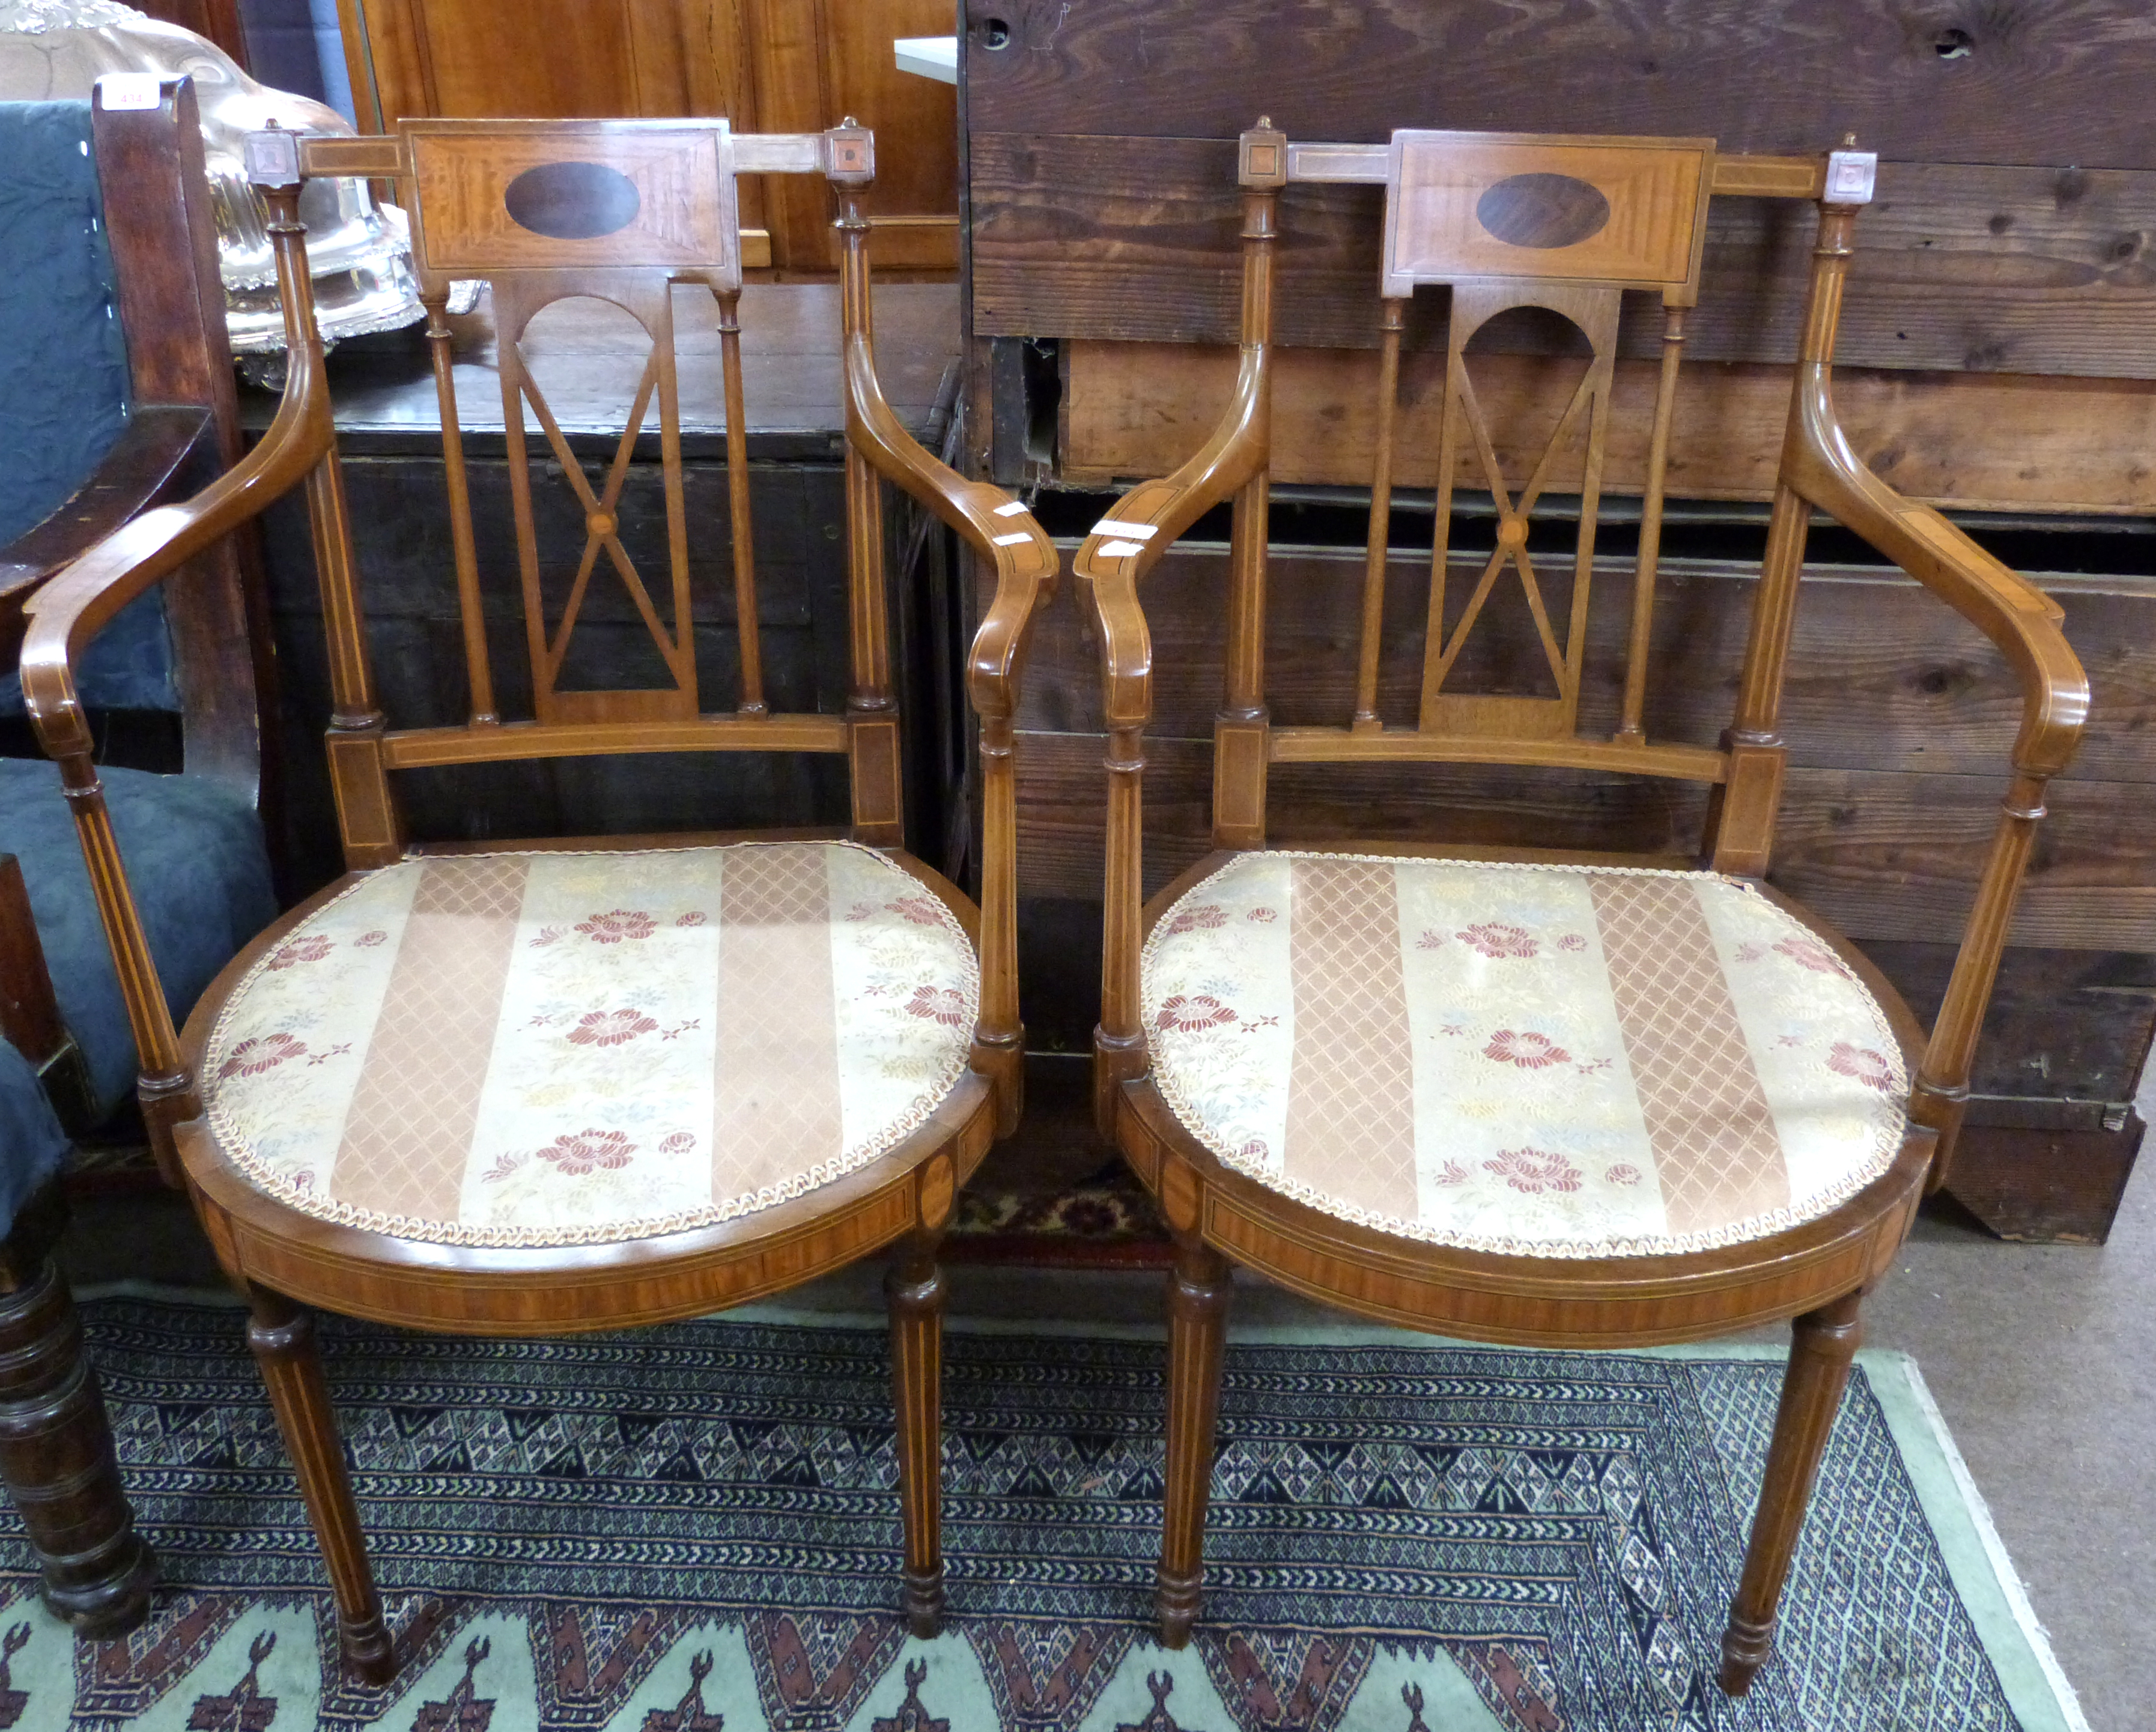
(1998, 354)
(2011, 238)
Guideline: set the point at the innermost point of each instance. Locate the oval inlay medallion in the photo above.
(572, 201)
(1542, 210)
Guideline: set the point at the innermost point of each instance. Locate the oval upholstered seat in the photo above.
(552, 1048)
(1552, 1061)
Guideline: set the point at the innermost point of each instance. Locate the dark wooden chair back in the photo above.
(1568, 225)
(201, 646)
(621, 211)
(181, 428)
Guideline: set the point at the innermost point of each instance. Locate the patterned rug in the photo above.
(693, 1529)
(1105, 1220)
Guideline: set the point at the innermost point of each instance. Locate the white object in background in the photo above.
(131, 89)
(934, 57)
(1851, 177)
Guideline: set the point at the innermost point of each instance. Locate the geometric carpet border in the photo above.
(694, 1526)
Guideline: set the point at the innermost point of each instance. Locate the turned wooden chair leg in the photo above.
(56, 1454)
(1197, 1292)
(915, 1288)
(282, 1336)
(1825, 1342)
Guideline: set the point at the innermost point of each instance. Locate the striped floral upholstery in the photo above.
(554, 1048)
(1548, 1061)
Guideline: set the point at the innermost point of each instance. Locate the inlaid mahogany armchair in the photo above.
(1519, 1094)
(541, 1086)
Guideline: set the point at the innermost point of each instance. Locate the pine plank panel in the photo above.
(1971, 441)
(1882, 675)
(2065, 82)
(1994, 269)
(819, 62)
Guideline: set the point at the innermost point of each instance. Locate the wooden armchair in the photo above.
(1512, 1095)
(541, 1086)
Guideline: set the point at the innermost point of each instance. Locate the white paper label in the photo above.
(1012, 540)
(1012, 509)
(1134, 531)
(1851, 176)
(1121, 549)
(122, 90)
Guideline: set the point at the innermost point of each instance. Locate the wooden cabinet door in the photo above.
(550, 60)
(769, 65)
(819, 61)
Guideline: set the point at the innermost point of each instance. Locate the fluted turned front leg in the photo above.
(915, 1288)
(57, 1461)
(1825, 1342)
(1198, 1291)
(282, 1336)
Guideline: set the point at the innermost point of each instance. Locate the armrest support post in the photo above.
(1821, 469)
(70, 610)
(997, 529)
(1941, 1093)
(1125, 546)
(1119, 1045)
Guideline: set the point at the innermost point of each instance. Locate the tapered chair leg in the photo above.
(282, 1336)
(914, 1287)
(1197, 1292)
(56, 1455)
(1825, 1342)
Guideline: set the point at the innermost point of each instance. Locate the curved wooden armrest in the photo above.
(80, 601)
(1128, 542)
(991, 522)
(2004, 605)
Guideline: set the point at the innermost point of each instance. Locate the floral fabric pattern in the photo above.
(554, 1048)
(1545, 1061)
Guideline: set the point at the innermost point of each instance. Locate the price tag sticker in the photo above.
(123, 90)
(1852, 176)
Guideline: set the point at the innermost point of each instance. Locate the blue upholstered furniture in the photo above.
(200, 879)
(116, 395)
(70, 436)
(65, 393)
(64, 388)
